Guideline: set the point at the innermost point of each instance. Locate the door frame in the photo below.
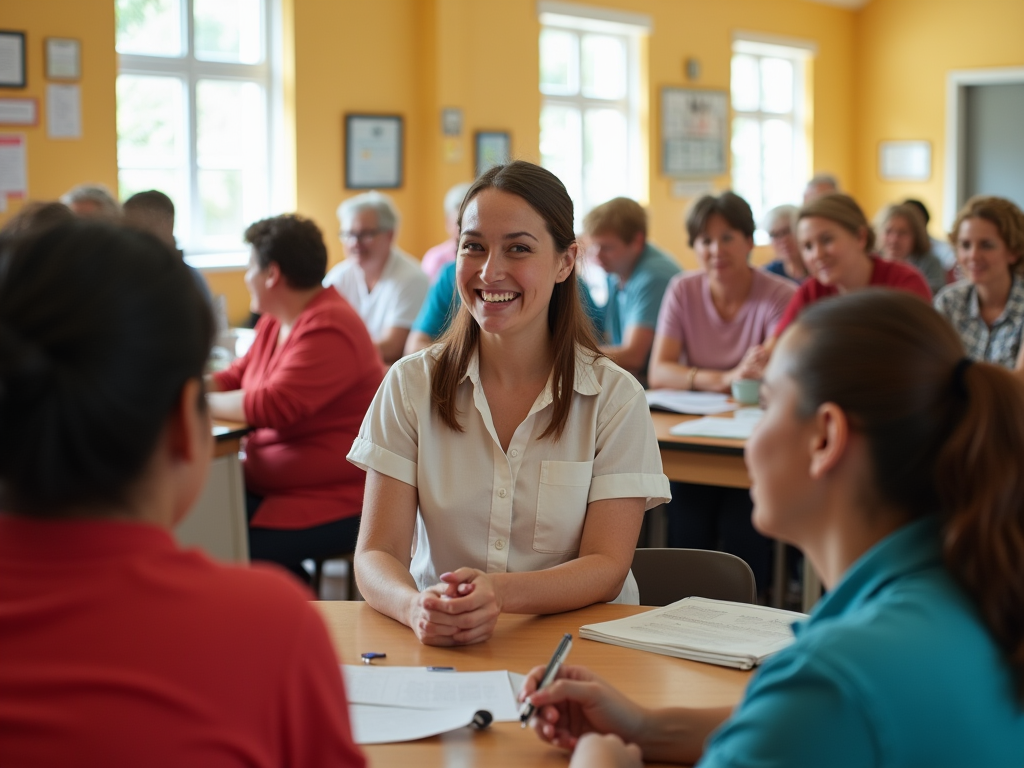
(957, 82)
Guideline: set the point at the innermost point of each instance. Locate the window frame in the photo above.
(189, 70)
(799, 53)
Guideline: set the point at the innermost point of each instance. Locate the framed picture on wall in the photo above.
(12, 59)
(373, 151)
(63, 58)
(694, 132)
(492, 148)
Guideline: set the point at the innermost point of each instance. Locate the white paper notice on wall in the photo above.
(64, 111)
(905, 160)
(13, 167)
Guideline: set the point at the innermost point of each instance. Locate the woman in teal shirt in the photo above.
(893, 462)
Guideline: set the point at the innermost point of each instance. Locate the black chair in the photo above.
(667, 575)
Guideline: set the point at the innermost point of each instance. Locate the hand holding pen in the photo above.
(576, 703)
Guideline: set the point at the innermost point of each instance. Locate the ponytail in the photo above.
(981, 483)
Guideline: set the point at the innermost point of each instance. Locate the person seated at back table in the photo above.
(384, 284)
(117, 648)
(638, 274)
(304, 384)
(893, 462)
(443, 302)
(92, 201)
(903, 238)
(152, 211)
(780, 224)
(987, 308)
(941, 248)
(444, 253)
(709, 323)
(34, 215)
(517, 458)
(837, 245)
(819, 185)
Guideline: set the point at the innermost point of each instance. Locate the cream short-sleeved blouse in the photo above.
(523, 510)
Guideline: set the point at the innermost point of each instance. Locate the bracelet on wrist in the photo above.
(693, 375)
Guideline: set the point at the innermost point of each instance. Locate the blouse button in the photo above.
(499, 544)
(513, 453)
(502, 493)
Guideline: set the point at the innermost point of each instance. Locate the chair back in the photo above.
(667, 575)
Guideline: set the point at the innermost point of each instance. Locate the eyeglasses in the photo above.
(366, 234)
(778, 234)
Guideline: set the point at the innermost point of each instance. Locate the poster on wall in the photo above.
(694, 132)
(13, 167)
(373, 151)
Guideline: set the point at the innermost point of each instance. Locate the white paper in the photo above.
(12, 57)
(715, 631)
(385, 725)
(733, 429)
(682, 401)
(419, 688)
(64, 111)
(13, 162)
(18, 111)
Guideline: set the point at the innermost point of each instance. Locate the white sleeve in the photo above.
(388, 439)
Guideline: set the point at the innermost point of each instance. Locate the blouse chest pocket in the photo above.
(562, 505)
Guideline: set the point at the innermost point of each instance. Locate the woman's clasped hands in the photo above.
(461, 610)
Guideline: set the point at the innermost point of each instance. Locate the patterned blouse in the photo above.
(999, 344)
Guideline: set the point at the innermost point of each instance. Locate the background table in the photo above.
(717, 461)
(519, 644)
(217, 522)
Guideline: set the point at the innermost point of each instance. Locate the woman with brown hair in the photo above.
(987, 309)
(510, 448)
(893, 462)
(903, 237)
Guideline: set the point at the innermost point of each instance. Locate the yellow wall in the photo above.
(908, 47)
(56, 165)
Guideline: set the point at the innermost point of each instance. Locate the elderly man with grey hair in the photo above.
(92, 201)
(780, 224)
(820, 184)
(384, 284)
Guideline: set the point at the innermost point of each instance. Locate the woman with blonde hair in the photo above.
(893, 462)
(987, 309)
(508, 466)
(903, 237)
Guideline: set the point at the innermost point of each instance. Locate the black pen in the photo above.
(561, 652)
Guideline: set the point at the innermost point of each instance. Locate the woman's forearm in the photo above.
(584, 581)
(677, 734)
(385, 583)
(665, 375)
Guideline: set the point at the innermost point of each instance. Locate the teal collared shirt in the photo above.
(639, 300)
(893, 668)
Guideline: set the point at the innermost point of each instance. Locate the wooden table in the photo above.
(719, 461)
(519, 644)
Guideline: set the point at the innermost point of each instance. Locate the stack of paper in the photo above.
(390, 704)
(698, 403)
(714, 631)
(733, 429)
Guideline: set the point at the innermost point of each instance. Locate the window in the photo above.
(769, 133)
(590, 130)
(193, 115)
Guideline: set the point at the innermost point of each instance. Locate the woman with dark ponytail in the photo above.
(894, 462)
(116, 647)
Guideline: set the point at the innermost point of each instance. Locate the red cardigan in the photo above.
(307, 400)
(885, 274)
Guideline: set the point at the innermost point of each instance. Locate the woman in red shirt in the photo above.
(119, 648)
(305, 385)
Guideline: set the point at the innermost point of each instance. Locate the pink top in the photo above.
(688, 315)
(307, 400)
(119, 649)
(438, 256)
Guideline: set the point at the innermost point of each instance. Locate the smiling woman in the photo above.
(517, 458)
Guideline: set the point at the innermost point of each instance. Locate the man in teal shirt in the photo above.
(638, 274)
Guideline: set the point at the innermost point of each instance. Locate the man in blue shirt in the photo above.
(638, 274)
